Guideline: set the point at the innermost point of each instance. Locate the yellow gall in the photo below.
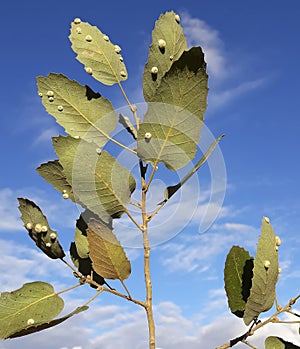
(106, 38)
(50, 93)
(277, 240)
(117, 48)
(48, 244)
(60, 108)
(123, 74)
(65, 196)
(89, 70)
(38, 228)
(53, 236)
(148, 135)
(29, 226)
(267, 219)
(267, 264)
(44, 229)
(77, 20)
(88, 38)
(177, 18)
(30, 322)
(161, 43)
(154, 70)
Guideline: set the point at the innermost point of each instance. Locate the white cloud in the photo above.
(220, 65)
(46, 136)
(8, 211)
(174, 330)
(199, 33)
(56, 209)
(28, 264)
(219, 98)
(190, 252)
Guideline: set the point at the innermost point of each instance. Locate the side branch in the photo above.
(257, 325)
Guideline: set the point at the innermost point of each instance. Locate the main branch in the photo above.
(146, 244)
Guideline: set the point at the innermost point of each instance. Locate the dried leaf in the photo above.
(108, 257)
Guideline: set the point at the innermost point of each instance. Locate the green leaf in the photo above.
(47, 325)
(39, 230)
(278, 343)
(108, 257)
(171, 127)
(80, 111)
(237, 277)
(99, 181)
(53, 173)
(100, 57)
(35, 302)
(170, 31)
(265, 274)
(81, 244)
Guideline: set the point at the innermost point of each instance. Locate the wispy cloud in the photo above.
(60, 211)
(46, 136)
(174, 330)
(219, 98)
(8, 211)
(225, 72)
(199, 33)
(194, 252)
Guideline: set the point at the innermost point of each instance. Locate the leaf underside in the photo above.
(262, 293)
(79, 110)
(99, 182)
(32, 214)
(167, 29)
(175, 115)
(34, 301)
(53, 173)
(97, 53)
(237, 277)
(108, 256)
(44, 326)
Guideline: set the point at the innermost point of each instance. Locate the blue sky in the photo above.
(252, 50)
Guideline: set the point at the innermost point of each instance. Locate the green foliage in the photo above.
(44, 326)
(237, 277)
(168, 44)
(108, 257)
(80, 111)
(101, 58)
(278, 343)
(38, 229)
(175, 88)
(174, 121)
(250, 284)
(34, 303)
(99, 181)
(53, 173)
(265, 274)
